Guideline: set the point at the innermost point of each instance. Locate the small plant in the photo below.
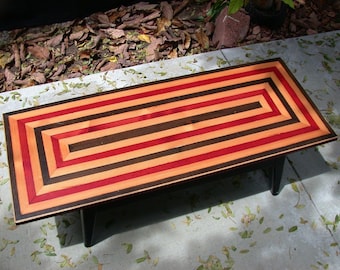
(236, 5)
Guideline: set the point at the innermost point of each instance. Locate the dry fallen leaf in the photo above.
(202, 38)
(102, 18)
(152, 49)
(60, 70)
(162, 24)
(55, 41)
(85, 54)
(115, 33)
(38, 77)
(77, 35)
(144, 6)
(109, 66)
(187, 40)
(5, 58)
(167, 10)
(10, 77)
(173, 54)
(39, 52)
(143, 37)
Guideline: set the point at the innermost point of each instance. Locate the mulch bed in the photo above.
(130, 35)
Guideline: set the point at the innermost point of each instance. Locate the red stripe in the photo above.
(55, 138)
(158, 141)
(154, 115)
(28, 166)
(26, 161)
(296, 99)
(147, 94)
(170, 165)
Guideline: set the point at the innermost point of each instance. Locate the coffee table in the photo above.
(81, 152)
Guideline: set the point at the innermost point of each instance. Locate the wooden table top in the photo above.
(67, 155)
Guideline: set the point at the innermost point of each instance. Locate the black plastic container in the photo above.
(271, 18)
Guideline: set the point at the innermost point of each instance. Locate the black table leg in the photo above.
(276, 174)
(88, 217)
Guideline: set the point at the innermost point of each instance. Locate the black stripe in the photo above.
(43, 159)
(161, 127)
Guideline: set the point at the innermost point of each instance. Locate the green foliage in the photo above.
(234, 6)
(290, 3)
(216, 9)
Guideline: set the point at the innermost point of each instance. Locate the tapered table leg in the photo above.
(276, 174)
(88, 218)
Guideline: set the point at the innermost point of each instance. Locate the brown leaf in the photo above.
(152, 49)
(103, 18)
(10, 77)
(24, 83)
(25, 70)
(17, 61)
(181, 6)
(131, 23)
(121, 50)
(144, 6)
(5, 58)
(167, 10)
(85, 54)
(115, 33)
(151, 17)
(93, 42)
(162, 24)
(77, 36)
(173, 54)
(22, 52)
(109, 66)
(55, 41)
(38, 77)
(202, 38)
(59, 70)
(114, 14)
(39, 52)
(187, 40)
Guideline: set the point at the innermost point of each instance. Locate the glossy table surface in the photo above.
(83, 151)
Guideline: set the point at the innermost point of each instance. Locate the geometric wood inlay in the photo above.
(83, 151)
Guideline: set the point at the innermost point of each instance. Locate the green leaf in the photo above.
(35, 257)
(140, 260)
(267, 230)
(300, 206)
(95, 260)
(293, 229)
(128, 247)
(3, 181)
(290, 3)
(253, 244)
(279, 229)
(294, 185)
(234, 6)
(246, 234)
(261, 220)
(216, 9)
(62, 238)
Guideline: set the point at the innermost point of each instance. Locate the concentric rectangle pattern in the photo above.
(96, 148)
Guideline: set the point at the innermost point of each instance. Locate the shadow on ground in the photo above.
(154, 207)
